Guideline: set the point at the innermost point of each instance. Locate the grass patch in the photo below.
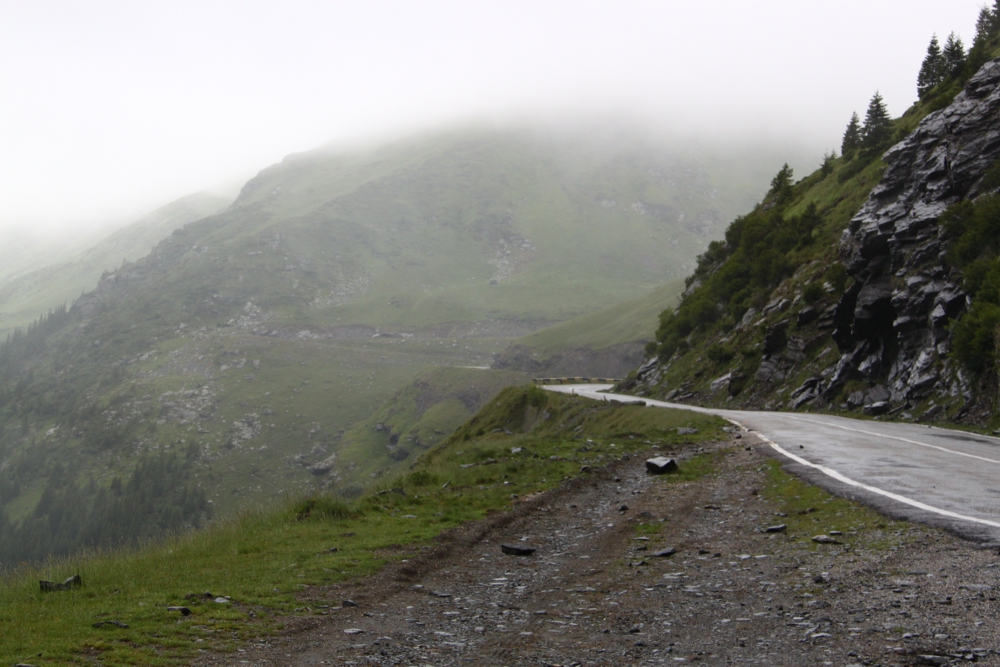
(697, 467)
(812, 511)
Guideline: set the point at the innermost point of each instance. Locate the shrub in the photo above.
(537, 397)
(323, 507)
(813, 293)
(975, 338)
(837, 276)
(422, 478)
(720, 354)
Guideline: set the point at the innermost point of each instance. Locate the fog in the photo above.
(110, 109)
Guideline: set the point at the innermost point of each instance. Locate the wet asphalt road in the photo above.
(932, 475)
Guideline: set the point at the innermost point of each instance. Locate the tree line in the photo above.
(157, 499)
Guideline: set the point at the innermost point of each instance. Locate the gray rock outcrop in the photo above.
(892, 324)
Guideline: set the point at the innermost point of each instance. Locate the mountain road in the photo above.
(941, 477)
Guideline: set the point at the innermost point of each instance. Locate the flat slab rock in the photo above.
(517, 550)
(660, 465)
(73, 582)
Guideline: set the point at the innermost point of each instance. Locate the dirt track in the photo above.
(593, 594)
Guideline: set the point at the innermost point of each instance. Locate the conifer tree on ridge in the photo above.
(852, 136)
(932, 69)
(954, 56)
(877, 130)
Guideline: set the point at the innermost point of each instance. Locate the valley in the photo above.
(299, 426)
(255, 345)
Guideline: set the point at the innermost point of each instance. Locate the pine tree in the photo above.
(984, 27)
(852, 136)
(877, 131)
(781, 184)
(954, 56)
(932, 69)
(828, 159)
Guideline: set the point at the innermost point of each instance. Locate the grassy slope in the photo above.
(402, 239)
(419, 416)
(626, 322)
(30, 294)
(263, 561)
(433, 231)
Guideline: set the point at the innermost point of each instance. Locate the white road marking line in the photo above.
(893, 437)
(829, 472)
(873, 489)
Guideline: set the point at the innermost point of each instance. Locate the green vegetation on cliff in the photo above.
(974, 229)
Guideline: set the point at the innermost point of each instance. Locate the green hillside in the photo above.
(26, 296)
(607, 343)
(249, 344)
(419, 416)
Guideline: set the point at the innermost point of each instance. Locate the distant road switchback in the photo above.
(932, 475)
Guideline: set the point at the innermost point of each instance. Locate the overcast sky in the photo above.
(110, 109)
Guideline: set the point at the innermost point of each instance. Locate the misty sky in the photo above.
(110, 109)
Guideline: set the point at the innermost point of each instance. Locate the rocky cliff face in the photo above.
(892, 324)
(883, 344)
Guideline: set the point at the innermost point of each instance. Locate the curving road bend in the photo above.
(927, 474)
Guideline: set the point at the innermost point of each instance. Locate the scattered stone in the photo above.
(719, 383)
(660, 465)
(780, 528)
(183, 610)
(877, 408)
(517, 550)
(440, 594)
(664, 553)
(116, 624)
(73, 582)
(353, 631)
(933, 659)
(824, 539)
(584, 468)
(684, 430)
(221, 600)
(207, 595)
(349, 603)
(623, 508)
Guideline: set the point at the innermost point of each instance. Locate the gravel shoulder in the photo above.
(593, 593)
